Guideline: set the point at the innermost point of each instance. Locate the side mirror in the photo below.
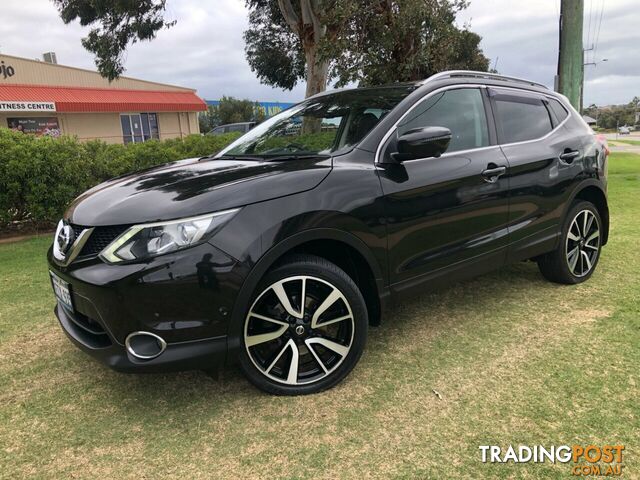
(422, 143)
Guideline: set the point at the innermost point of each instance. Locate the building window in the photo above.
(139, 127)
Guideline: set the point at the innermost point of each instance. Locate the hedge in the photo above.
(40, 176)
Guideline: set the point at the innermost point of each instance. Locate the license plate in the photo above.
(62, 291)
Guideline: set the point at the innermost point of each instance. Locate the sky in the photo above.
(205, 49)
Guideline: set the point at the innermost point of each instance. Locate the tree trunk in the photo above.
(317, 71)
(307, 23)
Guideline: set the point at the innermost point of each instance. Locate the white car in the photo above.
(624, 130)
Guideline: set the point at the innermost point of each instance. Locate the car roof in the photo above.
(451, 79)
(457, 76)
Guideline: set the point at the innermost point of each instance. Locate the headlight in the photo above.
(151, 239)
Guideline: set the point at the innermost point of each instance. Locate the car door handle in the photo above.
(492, 174)
(569, 156)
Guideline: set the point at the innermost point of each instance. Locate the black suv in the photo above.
(282, 249)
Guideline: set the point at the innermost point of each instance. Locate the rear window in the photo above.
(522, 119)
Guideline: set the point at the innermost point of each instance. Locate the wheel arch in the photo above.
(342, 248)
(591, 191)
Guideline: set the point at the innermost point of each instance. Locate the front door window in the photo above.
(459, 110)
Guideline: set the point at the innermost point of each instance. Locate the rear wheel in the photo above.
(575, 259)
(306, 328)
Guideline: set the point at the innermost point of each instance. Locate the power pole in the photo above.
(571, 56)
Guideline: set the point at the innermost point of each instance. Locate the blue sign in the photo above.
(269, 109)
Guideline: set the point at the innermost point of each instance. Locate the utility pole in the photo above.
(571, 55)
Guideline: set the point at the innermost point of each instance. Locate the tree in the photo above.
(387, 41)
(368, 41)
(233, 110)
(284, 40)
(273, 50)
(612, 116)
(117, 24)
(208, 119)
(230, 110)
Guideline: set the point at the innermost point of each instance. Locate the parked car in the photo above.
(624, 130)
(280, 251)
(242, 127)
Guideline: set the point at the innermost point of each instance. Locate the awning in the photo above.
(82, 99)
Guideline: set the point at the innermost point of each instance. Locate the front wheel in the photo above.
(575, 259)
(306, 328)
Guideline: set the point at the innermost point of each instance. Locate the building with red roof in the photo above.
(44, 98)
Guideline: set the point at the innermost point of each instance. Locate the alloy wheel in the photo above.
(583, 243)
(299, 330)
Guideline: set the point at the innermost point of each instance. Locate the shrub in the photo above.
(40, 176)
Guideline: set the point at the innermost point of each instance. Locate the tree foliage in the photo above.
(230, 110)
(208, 119)
(387, 41)
(116, 24)
(370, 42)
(273, 50)
(613, 116)
(233, 110)
(365, 41)
(284, 40)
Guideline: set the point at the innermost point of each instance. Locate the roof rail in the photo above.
(486, 75)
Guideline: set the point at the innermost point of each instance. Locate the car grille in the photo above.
(89, 331)
(99, 239)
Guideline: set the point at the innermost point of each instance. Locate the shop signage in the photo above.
(6, 71)
(10, 106)
(35, 125)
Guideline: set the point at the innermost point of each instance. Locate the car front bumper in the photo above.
(198, 354)
(185, 298)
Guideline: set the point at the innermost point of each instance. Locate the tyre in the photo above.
(576, 257)
(306, 328)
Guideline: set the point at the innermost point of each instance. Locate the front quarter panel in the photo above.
(348, 200)
(347, 207)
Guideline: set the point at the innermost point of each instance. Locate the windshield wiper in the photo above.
(234, 157)
(282, 158)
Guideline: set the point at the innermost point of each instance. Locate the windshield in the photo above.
(320, 125)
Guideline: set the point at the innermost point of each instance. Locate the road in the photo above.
(623, 147)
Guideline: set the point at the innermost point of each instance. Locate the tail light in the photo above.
(603, 140)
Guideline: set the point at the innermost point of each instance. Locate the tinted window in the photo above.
(139, 127)
(460, 110)
(522, 119)
(558, 111)
(237, 128)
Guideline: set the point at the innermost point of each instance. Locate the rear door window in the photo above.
(521, 118)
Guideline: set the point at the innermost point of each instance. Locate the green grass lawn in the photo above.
(516, 360)
(628, 142)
